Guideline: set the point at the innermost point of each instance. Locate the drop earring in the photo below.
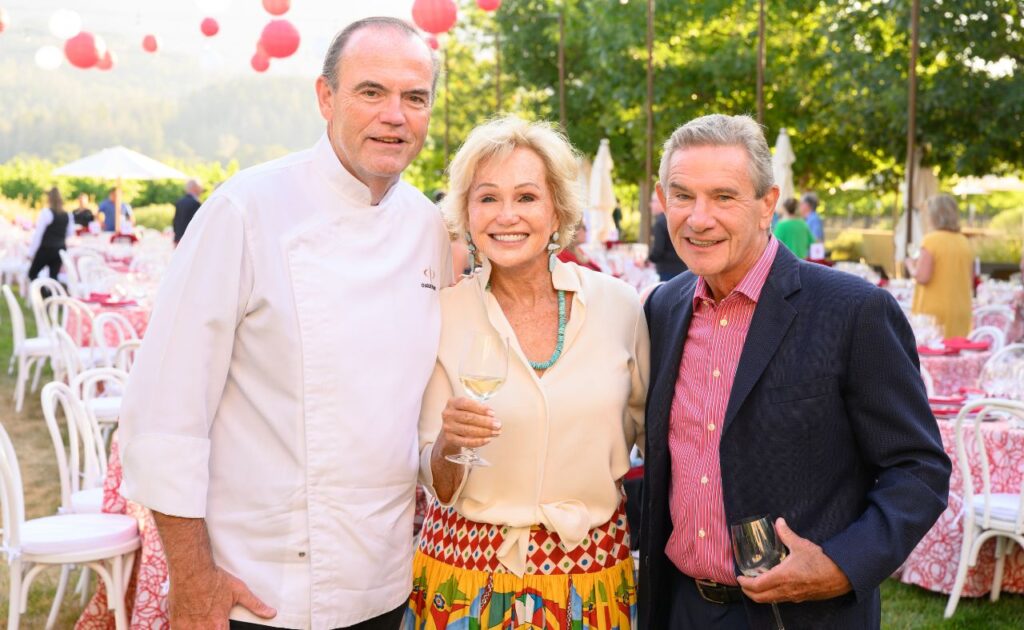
(552, 249)
(472, 253)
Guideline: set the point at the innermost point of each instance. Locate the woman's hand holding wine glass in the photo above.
(468, 422)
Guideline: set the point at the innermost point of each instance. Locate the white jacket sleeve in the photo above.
(44, 220)
(181, 369)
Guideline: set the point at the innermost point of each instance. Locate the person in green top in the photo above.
(792, 231)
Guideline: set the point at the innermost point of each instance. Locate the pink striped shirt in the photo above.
(699, 545)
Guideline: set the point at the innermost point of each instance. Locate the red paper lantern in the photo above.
(107, 61)
(432, 42)
(150, 43)
(84, 50)
(280, 39)
(209, 27)
(277, 7)
(489, 5)
(5, 19)
(259, 62)
(435, 16)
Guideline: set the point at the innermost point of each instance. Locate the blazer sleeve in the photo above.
(897, 435)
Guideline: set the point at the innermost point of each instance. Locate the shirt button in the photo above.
(701, 533)
(711, 427)
(724, 322)
(716, 373)
(704, 479)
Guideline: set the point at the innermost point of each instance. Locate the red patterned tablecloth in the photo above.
(137, 314)
(147, 591)
(951, 372)
(933, 563)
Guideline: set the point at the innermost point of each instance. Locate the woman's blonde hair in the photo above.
(497, 138)
(943, 213)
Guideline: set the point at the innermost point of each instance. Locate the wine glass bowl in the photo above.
(757, 549)
(482, 371)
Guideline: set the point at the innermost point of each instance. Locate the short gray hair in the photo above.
(719, 130)
(337, 47)
(943, 213)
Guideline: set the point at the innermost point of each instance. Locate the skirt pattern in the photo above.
(458, 583)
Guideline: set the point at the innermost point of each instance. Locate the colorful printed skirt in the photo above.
(458, 582)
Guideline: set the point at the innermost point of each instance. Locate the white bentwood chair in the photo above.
(28, 351)
(105, 543)
(992, 334)
(986, 514)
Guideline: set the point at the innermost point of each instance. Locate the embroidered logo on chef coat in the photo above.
(430, 275)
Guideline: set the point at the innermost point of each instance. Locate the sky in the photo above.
(176, 23)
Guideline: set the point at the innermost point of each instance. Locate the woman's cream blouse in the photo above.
(566, 435)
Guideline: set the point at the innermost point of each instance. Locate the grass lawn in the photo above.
(903, 607)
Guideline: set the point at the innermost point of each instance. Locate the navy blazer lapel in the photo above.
(772, 319)
(678, 322)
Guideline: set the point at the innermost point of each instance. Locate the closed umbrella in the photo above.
(782, 165)
(925, 186)
(602, 196)
(119, 163)
(583, 185)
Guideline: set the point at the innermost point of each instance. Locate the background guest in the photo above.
(83, 214)
(574, 252)
(107, 209)
(809, 211)
(52, 229)
(792, 231)
(663, 254)
(186, 208)
(944, 270)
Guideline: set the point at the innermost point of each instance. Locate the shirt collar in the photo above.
(751, 284)
(329, 165)
(563, 278)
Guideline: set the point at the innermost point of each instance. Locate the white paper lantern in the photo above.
(65, 24)
(49, 57)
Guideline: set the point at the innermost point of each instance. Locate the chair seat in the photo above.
(87, 501)
(36, 346)
(71, 533)
(96, 357)
(1004, 506)
(105, 408)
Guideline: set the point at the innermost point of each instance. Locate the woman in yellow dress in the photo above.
(944, 270)
(537, 539)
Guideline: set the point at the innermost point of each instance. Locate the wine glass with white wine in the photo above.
(482, 372)
(757, 549)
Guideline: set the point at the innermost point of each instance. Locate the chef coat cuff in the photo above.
(167, 473)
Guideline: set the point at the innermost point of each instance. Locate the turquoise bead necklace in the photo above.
(560, 339)
(561, 336)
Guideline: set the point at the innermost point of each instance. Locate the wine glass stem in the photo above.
(778, 617)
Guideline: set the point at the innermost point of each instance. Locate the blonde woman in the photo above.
(539, 537)
(944, 270)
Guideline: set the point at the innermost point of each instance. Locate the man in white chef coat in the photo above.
(270, 421)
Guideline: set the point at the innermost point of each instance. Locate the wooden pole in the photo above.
(497, 70)
(912, 118)
(561, 70)
(760, 61)
(117, 207)
(645, 189)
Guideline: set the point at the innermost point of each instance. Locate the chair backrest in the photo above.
(66, 360)
(124, 357)
(86, 384)
(993, 335)
(71, 272)
(976, 412)
(929, 382)
(999, 316)
(37, 299)
(83, 464)
(109, 331)
(12, 496)
(17, 317)
(94, 273)
(69, 314)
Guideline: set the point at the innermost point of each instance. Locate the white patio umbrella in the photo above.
(782, 166)
(583, 185)
(119, 163)
(602, 196)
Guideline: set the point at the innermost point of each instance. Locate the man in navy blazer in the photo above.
(780, 388)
